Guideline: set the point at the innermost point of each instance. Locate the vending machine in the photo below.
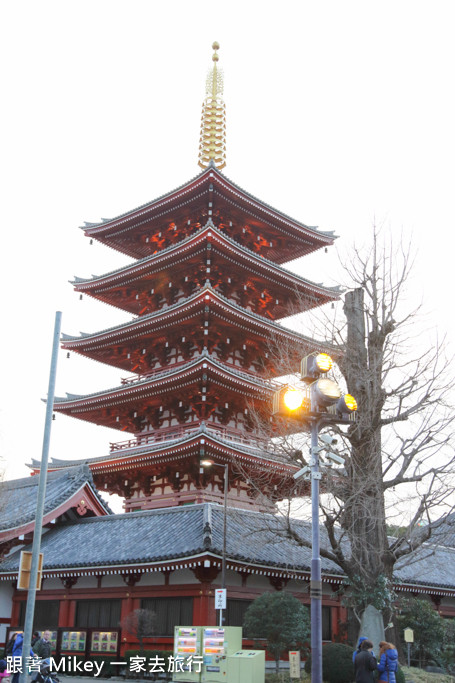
(217, 644)
(187, 644)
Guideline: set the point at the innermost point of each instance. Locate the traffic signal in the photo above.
(321, 394)
(290, 402)
(344, 408)
(315, 365)
(326, 395)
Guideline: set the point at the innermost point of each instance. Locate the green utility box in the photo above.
(246, 666)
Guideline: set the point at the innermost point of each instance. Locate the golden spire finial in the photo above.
(212, 143)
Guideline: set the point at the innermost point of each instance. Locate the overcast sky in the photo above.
(338, 113)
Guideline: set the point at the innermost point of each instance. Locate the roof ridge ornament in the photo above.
(212, 141)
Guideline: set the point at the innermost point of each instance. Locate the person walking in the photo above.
(388, 662)
(10, 644)
(17, 652)
(365, 663)
(35, 637)
(43, 646)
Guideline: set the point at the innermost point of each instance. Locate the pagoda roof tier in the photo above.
(173, 216)
(166, 446)
(199, 384)
(132, 346)
(174, 457)
(206, 256)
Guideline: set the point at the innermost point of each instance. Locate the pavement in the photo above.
(63, 678)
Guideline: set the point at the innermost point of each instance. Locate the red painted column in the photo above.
(64, 613)
(15, 612)
(129, 603)
(204, 607)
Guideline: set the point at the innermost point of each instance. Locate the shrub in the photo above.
(279, 618)
(428, 628)
(336, 663)
(400, 676)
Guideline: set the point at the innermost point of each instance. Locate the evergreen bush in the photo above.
(281, 620)
(337, 664)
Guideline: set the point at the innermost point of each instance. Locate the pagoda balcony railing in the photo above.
(176, 433)
(159, 372)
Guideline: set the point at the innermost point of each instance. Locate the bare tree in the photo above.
(398, 457)
(141, 624)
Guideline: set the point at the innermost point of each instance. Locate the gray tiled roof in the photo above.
(18, 497)
(428, 566)
(445, 533)
(173, 533)
(147, 536)
(182, 532)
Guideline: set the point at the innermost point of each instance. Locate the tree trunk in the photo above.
(364, 519)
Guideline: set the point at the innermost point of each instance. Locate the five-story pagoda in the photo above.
(206, 289)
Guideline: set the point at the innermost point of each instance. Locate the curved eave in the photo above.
(171, 315)
(109, 228)
(157, 382)
(190, 560)
(198, 558)
(166, 257)
(172, 451)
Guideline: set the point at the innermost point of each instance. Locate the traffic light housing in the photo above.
(321, 394)
(326, 396)
(345, 408)
(315, 365)
(291, 402)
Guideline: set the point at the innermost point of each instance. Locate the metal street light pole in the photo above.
(315, 579)
(210, 463)
(223, 561)
(41, 495)
(322, 403)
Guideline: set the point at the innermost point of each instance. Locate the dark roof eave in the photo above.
(332, 292)
(92, 229)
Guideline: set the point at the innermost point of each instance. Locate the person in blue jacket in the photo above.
(388, 662)
(361, 639)
(17, 652)
(364, 663)
(359, 647)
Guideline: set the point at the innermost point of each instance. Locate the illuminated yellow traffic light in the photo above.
(293, 398)
(350, 402)
(324, 362)
(314, 365)
(289, 401)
